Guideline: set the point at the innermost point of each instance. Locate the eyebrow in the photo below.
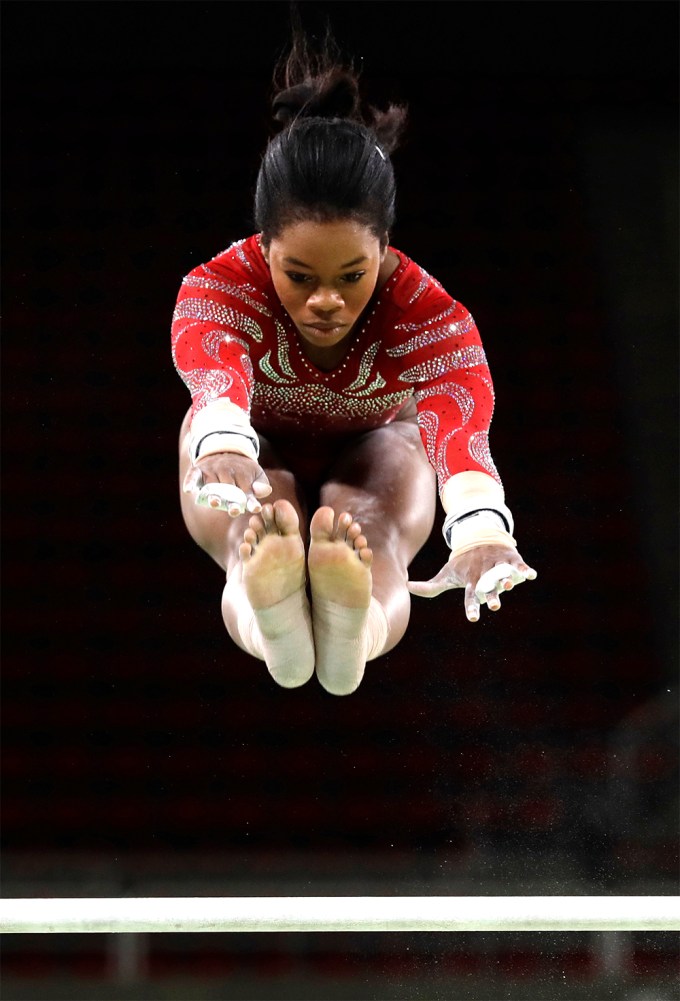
(301, 264)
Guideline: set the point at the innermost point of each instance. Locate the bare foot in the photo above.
(347, 620)
(339, 560)
(273, 555)
(273, 574)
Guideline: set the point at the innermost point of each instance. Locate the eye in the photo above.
(353, 277)
(297, 277)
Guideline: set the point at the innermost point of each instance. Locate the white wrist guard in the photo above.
(477, 528)
(239, 438)
(500, 514)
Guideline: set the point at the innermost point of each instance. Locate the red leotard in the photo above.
(232, 338)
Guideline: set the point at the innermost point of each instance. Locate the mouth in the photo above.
(325, 328)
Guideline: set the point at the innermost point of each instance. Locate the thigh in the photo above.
(214, 531)
(385, 480)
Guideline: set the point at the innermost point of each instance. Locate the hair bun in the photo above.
(289, 103)
(335, 94)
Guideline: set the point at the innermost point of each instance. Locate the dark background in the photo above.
(539, 184)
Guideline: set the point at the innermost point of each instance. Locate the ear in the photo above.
(264, 247)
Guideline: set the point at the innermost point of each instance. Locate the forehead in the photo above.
(326, 243)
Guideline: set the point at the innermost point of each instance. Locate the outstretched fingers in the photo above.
(472, 604)
(482, 586)
(502, 577)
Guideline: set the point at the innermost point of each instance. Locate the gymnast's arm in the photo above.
(484, 559)
(455, 401)
(212, 359)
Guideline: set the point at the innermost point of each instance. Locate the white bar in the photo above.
(321, 914)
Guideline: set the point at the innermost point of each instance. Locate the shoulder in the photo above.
(242, 262)
(239, 272)
(417, 294)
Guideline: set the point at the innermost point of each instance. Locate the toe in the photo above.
(285, 517)
(256, 525)
(268, 515)
(321, 525)
(366, 556)
(345, 521)
(250, 537)
(354, 531)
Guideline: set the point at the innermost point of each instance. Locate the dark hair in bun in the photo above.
(330, 158)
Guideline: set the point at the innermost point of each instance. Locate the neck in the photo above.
(387, 268)
(328, 358)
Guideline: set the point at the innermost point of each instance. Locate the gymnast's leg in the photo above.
(378, 509)
(264, 602)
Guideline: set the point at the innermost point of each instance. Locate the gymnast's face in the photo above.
(325, 273)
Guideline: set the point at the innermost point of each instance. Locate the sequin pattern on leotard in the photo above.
(232, 338)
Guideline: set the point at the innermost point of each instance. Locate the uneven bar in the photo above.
(338, 914)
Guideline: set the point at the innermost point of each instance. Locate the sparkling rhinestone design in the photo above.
(432, 336)
(478, 448)
(433, 368)
(232, 337)
(214, 339)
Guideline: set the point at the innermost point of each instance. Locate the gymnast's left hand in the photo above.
(485, 572)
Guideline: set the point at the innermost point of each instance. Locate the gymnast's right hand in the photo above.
(228, 481)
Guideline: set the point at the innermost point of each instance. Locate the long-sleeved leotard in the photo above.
(232, 339)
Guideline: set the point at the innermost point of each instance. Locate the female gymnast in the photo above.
(332, 376)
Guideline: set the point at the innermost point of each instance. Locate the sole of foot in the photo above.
(272, 555)
(339, 559)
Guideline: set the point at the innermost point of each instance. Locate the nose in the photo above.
(325, 301)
